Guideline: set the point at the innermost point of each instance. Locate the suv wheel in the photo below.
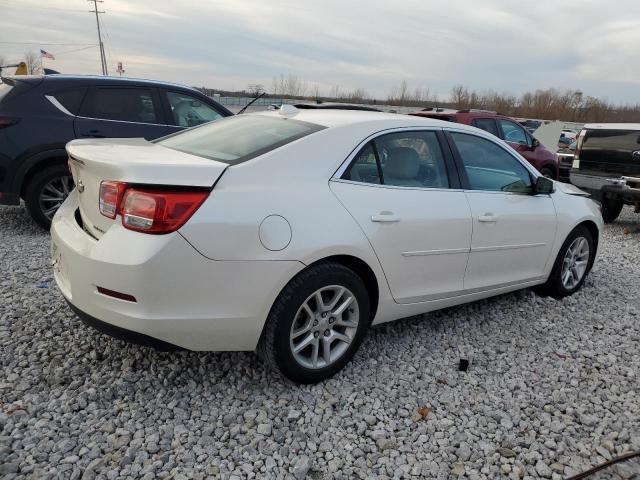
(316, 324)
(611, 209)
(45, 193)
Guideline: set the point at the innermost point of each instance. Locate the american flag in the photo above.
(46, 55)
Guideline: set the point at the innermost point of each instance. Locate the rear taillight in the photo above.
(147, 210)
(110, 195)
(154, 211)
(8, 121)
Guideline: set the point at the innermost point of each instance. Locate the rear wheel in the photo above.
(572, 264)
(316, 324)
(45, 193)
(611, 209)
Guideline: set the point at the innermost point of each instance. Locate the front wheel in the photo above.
(572, 264)
(45, 193)
(316, 324)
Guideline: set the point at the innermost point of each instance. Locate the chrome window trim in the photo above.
(58, 105)
(126, 121)
(395, 187)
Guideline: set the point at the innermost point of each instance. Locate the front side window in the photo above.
(188, 111)
(402, 159)
(490, 167)
(123, 104)
(487, 124)
(240, 138)
(513, 132)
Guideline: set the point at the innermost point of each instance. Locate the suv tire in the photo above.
(611, 209)
(46, 191)
(297, 320)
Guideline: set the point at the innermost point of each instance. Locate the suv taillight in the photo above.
(8, 121)
(149, 210)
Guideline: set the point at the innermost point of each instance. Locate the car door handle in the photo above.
(387, 217)
(94, 134)
(488, 218)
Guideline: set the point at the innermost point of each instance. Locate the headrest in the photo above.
(402, 163)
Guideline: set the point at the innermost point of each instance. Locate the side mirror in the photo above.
(535, 143)
(543, 186)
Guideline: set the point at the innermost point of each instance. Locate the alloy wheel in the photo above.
(324, 326)
(575, 263)
(54, 193)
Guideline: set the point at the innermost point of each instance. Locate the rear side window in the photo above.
(70, 98)
(486, 124)
(188, 111)
(403, 159)
(123, 104)
(364, 167)
(237, 139)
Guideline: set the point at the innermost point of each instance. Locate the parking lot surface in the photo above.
(552, 388)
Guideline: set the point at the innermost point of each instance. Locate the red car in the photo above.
(505, 128)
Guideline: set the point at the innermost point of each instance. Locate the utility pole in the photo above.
(103, 58)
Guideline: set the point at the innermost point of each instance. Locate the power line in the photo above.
(34, 7)
(51, 43)
(103, 59)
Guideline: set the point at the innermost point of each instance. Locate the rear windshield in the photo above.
(4, 89)
(237, 139)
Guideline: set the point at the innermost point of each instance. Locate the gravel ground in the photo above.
(552, 389)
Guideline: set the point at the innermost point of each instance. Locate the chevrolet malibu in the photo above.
(291, 232)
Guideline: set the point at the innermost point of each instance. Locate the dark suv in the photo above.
(505, 128)
(40, 114)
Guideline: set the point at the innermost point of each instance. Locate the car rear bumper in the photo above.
(181, 298)
(627, 188)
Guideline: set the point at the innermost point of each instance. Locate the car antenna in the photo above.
(251, 103)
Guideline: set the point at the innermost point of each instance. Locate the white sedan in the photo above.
(291, 232)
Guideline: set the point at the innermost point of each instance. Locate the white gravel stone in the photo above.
(552, 389)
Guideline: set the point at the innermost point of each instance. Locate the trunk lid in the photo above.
(134, 161)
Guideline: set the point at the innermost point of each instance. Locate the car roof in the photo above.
(107, 80)
(612, 126)
(338, 118)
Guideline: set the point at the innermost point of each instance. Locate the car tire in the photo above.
(40, 196)
(556, 285)
(611, 209)
(297, 310)
(548, 172)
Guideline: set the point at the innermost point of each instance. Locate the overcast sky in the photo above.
(506, 45)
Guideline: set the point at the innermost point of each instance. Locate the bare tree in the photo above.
(400, 94)
(2, 60)
(316, 91)
(335, 92)
(255, 89)
(34, 64)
